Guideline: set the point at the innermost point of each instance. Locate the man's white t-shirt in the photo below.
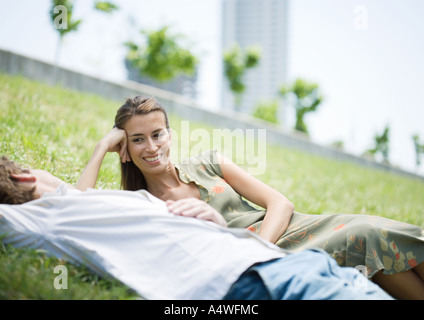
(133, 237)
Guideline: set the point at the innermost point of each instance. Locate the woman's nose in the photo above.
(150, 145)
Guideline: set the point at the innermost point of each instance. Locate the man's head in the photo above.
(12, 188)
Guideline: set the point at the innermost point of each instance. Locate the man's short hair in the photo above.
(11, 190)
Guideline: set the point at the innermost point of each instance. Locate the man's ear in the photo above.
(23, 177)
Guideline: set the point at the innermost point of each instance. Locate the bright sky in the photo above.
(366, 56)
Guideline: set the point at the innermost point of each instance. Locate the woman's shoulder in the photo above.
(208, 156)
(207, 160)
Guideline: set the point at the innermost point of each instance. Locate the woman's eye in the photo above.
(161, 135)
(138, 140)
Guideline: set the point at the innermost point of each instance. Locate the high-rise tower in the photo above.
(263, 23)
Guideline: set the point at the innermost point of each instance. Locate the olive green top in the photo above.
(204, 170)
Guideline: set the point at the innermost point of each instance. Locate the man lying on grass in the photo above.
(133, 237)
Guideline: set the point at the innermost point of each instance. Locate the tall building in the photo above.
(263, 23)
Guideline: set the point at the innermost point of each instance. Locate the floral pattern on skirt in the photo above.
(369, 243)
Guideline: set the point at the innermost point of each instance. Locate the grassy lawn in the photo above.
(56, 129)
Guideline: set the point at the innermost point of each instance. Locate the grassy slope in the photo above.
(56, 129)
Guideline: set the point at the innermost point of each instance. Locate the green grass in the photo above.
(56, 129)
(30, 274)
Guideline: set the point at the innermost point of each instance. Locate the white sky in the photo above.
(371, 70)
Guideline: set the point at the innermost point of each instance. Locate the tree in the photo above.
(381, 145)
(161, 58)
(419, 149)
(61, 14)
(106, 7)
(267, 110)
(338, 144)
(305, 97)
(236, 62)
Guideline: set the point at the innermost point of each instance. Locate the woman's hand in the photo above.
(192, 207)
(116, 141)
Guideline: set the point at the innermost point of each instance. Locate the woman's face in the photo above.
(149, 141)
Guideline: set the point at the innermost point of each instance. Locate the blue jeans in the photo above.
(306, 275)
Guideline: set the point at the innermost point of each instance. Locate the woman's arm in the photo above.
(114, 141)
(278, 208)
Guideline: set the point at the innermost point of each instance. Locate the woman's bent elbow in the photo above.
(290, 207)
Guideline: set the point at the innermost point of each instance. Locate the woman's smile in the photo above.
(153, 159)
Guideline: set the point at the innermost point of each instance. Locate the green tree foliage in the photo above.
(305, 97)
(106, 7)
(381, 145)
(61, 14)
(419, 149)
(62, 19)
(338, 144)
(161, 58)
(267, 110)
(236, 62)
